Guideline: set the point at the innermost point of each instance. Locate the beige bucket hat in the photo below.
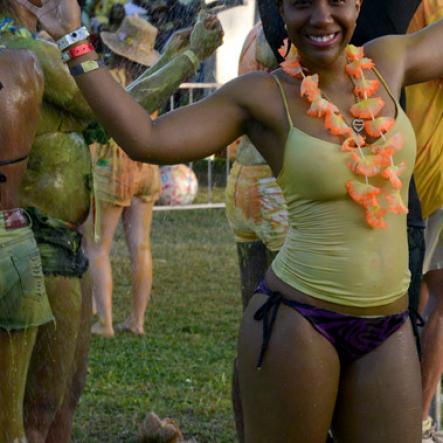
(134, 40)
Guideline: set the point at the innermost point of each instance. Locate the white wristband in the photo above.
(73, 37)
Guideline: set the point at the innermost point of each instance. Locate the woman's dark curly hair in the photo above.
(273, 26)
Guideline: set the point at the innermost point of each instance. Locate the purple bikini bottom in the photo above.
(351, 336)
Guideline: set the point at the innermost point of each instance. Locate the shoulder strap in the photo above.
(383, 81)
(284, 99)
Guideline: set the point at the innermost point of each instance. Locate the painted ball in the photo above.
(179, 185)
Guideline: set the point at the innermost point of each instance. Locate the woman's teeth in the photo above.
(322, 38)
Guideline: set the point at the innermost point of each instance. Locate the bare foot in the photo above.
(100, 329)
(128, 327)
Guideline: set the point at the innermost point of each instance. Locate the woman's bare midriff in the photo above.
(276, 284)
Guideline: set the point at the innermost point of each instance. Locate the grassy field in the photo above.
(182, 367)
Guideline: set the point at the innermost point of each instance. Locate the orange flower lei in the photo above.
(378, 161)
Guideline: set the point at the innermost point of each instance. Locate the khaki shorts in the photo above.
(23, 299)
(434, 242)
(255, 206)
(118, 179)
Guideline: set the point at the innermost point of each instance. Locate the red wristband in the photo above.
(77, 51)
(80, 50)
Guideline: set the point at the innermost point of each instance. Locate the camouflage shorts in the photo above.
(23, 299)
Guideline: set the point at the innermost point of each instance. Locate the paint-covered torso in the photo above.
(57, 179)
(21, 91)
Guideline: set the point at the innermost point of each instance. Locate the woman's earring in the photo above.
(286, 27)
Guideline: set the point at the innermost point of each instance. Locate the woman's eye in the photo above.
(338, 2)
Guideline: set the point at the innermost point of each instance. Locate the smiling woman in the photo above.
(329, 324)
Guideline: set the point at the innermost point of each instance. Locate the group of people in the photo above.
(46, 171)
(317, 199)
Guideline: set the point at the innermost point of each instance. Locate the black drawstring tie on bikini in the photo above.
(267, 313)
(417, 321)
(9, 162)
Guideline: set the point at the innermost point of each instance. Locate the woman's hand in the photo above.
(57, 17)
(207, 35)
(178, 42)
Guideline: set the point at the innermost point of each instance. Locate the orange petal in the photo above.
(354, 52)
(368, 108)
(375, 216)
(320, 107)
(309, 88)
(293, 69)
(361, 193)
(353, 142)
(392, 173)
(355, 68)
(367, 166)
(379, 126)
(395, 203)
(336, 125)
(365, 88)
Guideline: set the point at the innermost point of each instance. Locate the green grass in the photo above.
(182, 367)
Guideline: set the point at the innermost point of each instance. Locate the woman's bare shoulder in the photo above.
(257, 92)
(388, 53)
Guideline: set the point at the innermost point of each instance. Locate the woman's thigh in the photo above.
(379, 398)
(292, 397)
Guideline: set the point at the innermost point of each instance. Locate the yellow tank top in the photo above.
(330, 252)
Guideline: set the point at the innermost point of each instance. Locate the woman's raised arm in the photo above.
(185, 134)
(418, 57)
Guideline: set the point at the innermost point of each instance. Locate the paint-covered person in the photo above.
(58, 185)
(24, 305)
(327, 341)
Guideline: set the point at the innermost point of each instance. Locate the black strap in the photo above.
(9, 162)
(269, 308)
(417, 322)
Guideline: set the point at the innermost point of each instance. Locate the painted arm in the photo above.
(188, 133)
(60, 88)
(153, 88)
(178, 42)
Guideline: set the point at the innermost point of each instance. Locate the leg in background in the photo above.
(137, 223)
(15, 355)
(100, 267)
(432, 338)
